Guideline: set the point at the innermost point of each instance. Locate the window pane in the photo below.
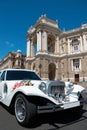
(76, 64)
(75, 48)
(21, 75)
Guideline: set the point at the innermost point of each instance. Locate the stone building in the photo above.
(56, 54)
(13, 60)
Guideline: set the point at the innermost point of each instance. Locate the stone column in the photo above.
(84, 43)
(57, 45)
(39, 41)
(80, 64)
(56, 73)
(44, 41)
(32, 48)
(81, 47)
(28, 49)
(26, 65)
(72, 65)
(68, 46)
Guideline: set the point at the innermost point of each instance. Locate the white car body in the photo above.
(48, 96)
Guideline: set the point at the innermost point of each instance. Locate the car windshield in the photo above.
(21, 75)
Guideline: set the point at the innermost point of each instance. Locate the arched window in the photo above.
(51, 43)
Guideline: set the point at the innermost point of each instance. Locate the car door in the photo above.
(2, 82)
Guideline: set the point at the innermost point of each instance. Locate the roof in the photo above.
(17, 69)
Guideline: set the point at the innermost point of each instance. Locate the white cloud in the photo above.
(10, 44)
(7, 42)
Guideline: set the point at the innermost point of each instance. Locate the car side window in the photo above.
(2, 77)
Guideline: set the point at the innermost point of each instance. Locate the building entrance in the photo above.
(76, 77)
(52, 71)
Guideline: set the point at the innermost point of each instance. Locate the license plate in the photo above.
(71, 105)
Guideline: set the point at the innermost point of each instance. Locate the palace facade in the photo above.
(56, 54)
(13, 60)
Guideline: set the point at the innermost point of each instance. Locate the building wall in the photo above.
(60, 54)
(13, 60)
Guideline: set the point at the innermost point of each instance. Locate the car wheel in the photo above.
(24, 110)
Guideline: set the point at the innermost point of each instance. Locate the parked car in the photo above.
(26, 94)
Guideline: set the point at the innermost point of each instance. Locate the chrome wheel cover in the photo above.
(20, 109)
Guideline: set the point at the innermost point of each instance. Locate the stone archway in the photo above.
(52, 71)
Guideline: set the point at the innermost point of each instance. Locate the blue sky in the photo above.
(16, 17)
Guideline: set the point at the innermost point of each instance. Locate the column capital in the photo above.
(44, 30)
(39, 30)
(29, 39)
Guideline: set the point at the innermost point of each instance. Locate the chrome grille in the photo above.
(57, 90)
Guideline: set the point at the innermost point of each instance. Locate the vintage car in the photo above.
(26, 94)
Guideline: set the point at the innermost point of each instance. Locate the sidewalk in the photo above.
(84, 84)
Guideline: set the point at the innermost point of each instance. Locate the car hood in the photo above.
(16, 83)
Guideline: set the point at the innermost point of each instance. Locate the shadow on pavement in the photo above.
(59, 119)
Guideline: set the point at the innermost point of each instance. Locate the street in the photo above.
(64, 120)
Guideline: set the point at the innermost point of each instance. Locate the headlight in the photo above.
(42, 87)
(70, 86)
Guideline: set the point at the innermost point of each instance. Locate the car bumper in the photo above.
(55, 108)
